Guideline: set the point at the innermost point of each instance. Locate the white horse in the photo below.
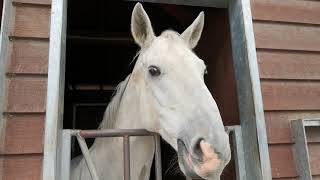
(165, 93)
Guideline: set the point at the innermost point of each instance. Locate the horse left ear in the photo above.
(141, 28)
(193, 33)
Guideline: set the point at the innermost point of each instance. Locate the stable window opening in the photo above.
(99, 51)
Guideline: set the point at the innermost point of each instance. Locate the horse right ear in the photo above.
(141, 28)
(193, 33)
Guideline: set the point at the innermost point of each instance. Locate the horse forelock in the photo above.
(171, 35)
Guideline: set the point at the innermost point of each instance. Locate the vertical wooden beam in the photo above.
(55, 90)
(4, 56)
(249, 91)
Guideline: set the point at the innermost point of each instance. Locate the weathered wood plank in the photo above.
(314, 154)
(24, 134)
(29, 57)
(282, 161)
(287, 11)
(289, 65)
(26, 94)
(18, 167)
(279, 128)
(31, 21)
(40, 2)
(287, 36)
(291, 95)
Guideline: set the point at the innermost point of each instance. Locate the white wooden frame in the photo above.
(251, 111)
(4, 56)
(55, 90)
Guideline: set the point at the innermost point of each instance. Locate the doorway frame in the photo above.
(250, 102)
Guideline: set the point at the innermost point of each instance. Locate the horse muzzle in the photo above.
(199, 159)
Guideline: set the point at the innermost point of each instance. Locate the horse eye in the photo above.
(154, 70)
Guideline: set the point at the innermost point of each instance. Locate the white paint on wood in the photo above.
(256, 90)
(55, 90)
(249, 91)
(4, 55)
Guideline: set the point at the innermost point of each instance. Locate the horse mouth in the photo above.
(186, 161)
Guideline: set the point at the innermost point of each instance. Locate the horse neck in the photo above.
(109, 153)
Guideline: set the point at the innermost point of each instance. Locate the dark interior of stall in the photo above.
(1, 10)
(100, 50)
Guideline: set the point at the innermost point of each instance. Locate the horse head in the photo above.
(178, 104)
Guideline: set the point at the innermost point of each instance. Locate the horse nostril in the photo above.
(196, 148)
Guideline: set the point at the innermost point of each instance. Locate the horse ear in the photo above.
(193, 33)
(141, 28)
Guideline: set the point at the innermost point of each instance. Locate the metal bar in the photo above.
(65, 155)
(115, 133)
(158, 157)
(86, 155)
(126, 157)
(126, 133)
(301, 154)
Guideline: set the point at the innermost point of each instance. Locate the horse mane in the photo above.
(110, 115)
